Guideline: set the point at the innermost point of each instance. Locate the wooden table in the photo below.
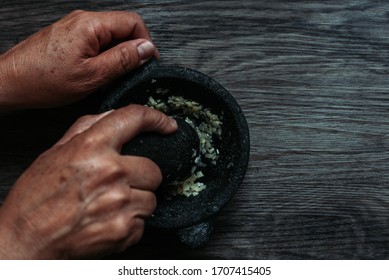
(312, 80)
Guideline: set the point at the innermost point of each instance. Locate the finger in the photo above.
(122, 25)
(135, 233)
(120, 227)
(80, 126)
(143, 173)
(108, 235)
(122, 58)
(125, 123)
(131, 240)
(138, 202)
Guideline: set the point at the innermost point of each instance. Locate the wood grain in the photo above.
(312, 80)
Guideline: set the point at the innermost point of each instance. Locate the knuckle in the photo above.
(138, 111)
(135, 16)
(96, 25)
(127, 59)
(114, 169)
(118, 199)
(145, 116)
(120, 228)
(108, 171)
(86, 21)
(125, 227)
(150, 118)
(86, 119)
(91, 140)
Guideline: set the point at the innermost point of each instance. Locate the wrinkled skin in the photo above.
(71, 58)
(81, 198)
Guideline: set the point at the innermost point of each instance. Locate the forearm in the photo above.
(18, 239)
(10, 246)
(6, 100)
(20, 80)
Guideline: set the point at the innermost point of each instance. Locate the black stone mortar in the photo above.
(191, 217)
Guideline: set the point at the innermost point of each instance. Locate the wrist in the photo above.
(17, 243)
(9, 247)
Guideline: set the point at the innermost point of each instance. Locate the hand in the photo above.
(82, 198)
(64, 62)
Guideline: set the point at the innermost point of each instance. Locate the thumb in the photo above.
(123, 58)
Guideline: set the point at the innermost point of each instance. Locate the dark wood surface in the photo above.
(312, 80)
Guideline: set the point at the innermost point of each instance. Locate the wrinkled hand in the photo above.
(82, 198)
(65, 61)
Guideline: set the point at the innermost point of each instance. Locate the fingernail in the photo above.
(173, 122)
(146, 51)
